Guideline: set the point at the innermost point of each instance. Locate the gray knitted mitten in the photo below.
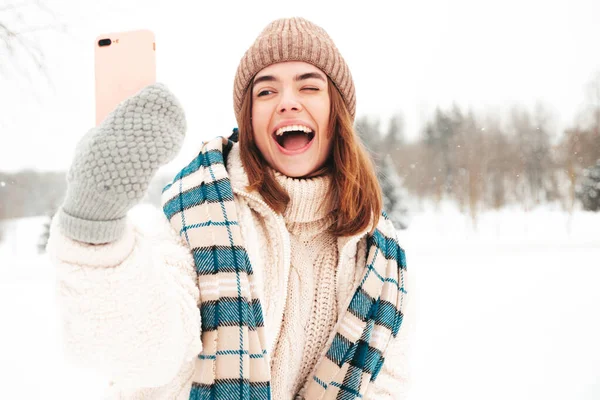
(115, 162)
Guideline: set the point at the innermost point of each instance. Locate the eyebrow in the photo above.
(300, 77)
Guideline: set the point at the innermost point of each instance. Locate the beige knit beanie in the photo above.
(294, 39)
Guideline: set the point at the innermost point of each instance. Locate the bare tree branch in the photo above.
(14, 38)
(13, 6)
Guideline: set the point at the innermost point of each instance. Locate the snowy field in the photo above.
(509, 311)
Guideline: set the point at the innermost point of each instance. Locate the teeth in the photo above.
(289, 128)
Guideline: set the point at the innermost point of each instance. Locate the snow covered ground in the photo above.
(509, 311)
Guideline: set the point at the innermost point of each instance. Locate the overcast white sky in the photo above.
(406, 56)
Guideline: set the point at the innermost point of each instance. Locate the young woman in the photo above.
(270, 272)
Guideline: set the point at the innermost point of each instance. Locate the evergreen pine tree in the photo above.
(43, 239)
(588, 191)
(394, 194)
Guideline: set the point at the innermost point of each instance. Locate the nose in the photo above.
(289, 102)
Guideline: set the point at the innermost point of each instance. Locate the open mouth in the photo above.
(294, 138)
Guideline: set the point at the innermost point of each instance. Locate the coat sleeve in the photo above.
(395, 377)
(129, 309)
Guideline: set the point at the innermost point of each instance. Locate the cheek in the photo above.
(260, 124)
(323, 103)
(323, 118)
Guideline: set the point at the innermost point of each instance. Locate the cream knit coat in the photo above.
(129, 308)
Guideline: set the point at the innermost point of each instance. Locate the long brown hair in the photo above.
(356, 194)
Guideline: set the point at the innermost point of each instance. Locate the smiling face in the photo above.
(290, 117)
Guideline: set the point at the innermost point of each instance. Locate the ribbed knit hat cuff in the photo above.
(87, 231)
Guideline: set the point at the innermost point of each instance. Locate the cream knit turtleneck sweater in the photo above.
(311, 309)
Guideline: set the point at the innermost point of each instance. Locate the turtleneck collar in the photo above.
(309, 198)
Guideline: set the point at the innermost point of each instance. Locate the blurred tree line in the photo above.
(33, 193)
(477, 161)
(481, 162)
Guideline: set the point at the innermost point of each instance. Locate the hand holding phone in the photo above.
(116, 160)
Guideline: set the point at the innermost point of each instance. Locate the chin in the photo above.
(295, 172)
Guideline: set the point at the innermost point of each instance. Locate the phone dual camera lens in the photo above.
(104, 42)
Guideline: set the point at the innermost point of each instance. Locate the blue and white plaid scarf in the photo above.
(233, 363)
